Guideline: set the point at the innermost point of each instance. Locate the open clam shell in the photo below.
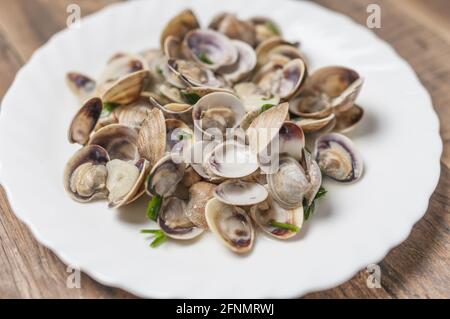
(134, 114)
(231, 225)
(85, 174)
(231, 159)
(193, 74)
(179, 136)
(234, 28)
(292, 140)
(240, 193)
(173, 220)
(199, 194)
(264, 214)
(125, 181)
(341, 84)
(338, 157)
(164, 177)
(181, 111)
(151, 141)
(214, 113)
(196, 153)
(127, 89)
(265, 29)
(85, 121)
(289, 184)
(120, 141)
(347, 120)
(311, 104)
(179, 26)
(282, 79)
(210, 48)
(244, 65)
(312, 125)
(82, 86)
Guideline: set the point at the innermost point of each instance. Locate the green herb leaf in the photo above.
(272, 27)
(290, 227)
(158, 241)
(159, 236)
(191, 98)
(204, 58)
(108, 107)
(265, 107)
(308, 210)
(153, 207)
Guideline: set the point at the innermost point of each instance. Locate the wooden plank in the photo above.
(418, 268)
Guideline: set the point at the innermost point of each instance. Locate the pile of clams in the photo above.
(213, 125)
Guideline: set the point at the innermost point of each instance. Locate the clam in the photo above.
(120, 141)
(338, 158)
(190, 177)
(134, 114)
(172, 94)
(276, 46)
(172, 48)
(210, 48)
(199, 194)
(231, 225)
(196, 153)
(231, 159)
(179, 26)
(193, 74)
(216, 112)
(153, 59)
(85, 121)
(85, 174)
(244, 65)
(311, 104)
(178, 136)
(347, 120)
(342, 85)
(201, 91)
(291, 140)
(234, 28)
(82, 86)
(265, 28)
(151, 140)
(181, 111)
(263, 135)
(127, 89)
(282, 79)
(164, 177)
(254, 97)
(269, 215)
(240, 193)
(289, 184)
(125, 180)
(312, 125)
(173, 220)
(314, 175)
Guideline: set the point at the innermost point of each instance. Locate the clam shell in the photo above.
(231, 225)
(234, 28)
(137, 190)
(164, 177)
(312, 125)
(82, 86)
(179, 26)
(151, 140)
(347, 120)
(240, 193)
(85, 121)
(93, 154)
(199, 194)
(120, 141)
(127, 89)
(173, 220)
(244, 65)
(338, 157)
(231, 159)
(262, 214)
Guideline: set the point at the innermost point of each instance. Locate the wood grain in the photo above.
(418, 268)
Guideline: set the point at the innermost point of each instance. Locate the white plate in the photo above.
(355, 225)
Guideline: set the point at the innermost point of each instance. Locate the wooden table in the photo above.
(418, 268)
